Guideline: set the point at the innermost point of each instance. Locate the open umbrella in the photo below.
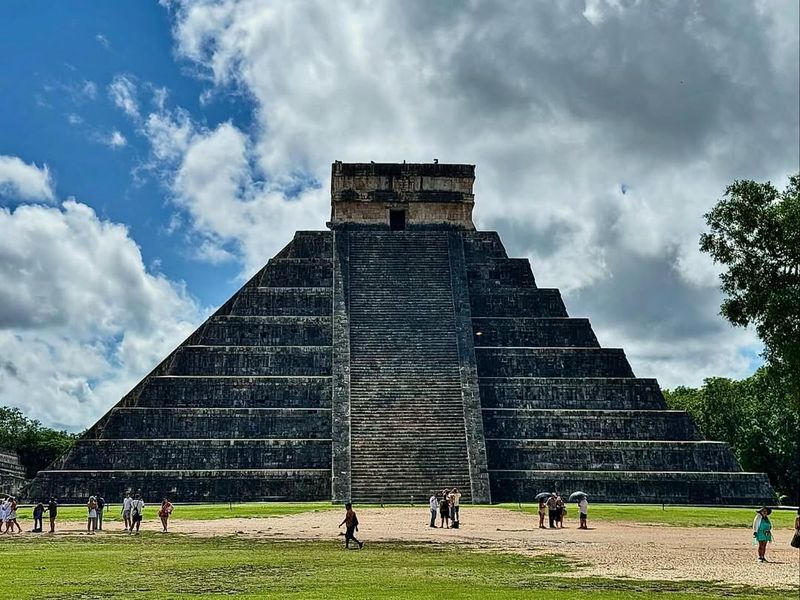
(543, 495)
(575, 496)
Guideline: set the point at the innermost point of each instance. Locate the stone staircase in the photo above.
(240, 411)
(560, 412)
(406, 409)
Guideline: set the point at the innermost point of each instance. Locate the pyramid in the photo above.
(398, 352)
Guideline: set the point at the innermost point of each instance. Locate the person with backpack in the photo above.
(351, 524)
(164, 513)
(137, 508)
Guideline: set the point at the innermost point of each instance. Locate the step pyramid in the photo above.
(399, 352)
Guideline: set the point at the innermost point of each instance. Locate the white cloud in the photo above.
(122, 91)
(24, 181)
(74, 119)
(81, 318)
(89, 90)
(115, 140)
(103, 40)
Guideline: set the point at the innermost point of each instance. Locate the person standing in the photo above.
(551, 510)
(583, 511)
(91, 523)
(12, 516)
(38, 513)
(127, 503)
(561, 509)
(52, 511)
(762, 531)
(4, 506)
(444, 512)
(434, 503)
(137, 508)
(164, 513)
(542, 512)
(351, 524)
(101, 505)
(455, 498)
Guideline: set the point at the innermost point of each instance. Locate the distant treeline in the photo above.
(757, 416)
(36, 444)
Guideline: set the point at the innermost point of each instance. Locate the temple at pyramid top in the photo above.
(398, 352)
(402, 196)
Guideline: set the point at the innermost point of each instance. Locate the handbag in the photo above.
(795, 543)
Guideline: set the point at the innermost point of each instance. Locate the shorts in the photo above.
(584, 516)
(93, 514)
(137, 518)
(12, 516)
(126, 514)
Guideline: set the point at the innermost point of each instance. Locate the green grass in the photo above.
(676, 516)
(156, 566)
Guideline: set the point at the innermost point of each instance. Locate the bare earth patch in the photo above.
(607, 550)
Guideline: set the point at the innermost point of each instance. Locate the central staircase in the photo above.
(406, 410)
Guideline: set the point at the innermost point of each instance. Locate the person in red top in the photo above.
(164, 512)
(351, 522)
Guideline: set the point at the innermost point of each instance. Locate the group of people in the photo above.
(556, 509)
(8, 515)
(445, 505)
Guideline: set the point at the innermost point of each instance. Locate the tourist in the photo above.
(164, 513)
(137, 508)
(101, 505)
(52, 511)
(551, 510)
(444, 511)
(455, 498)
(434, 502)
(561, 511)
(762, 531)
(4, 506)
(583, 511)
(91, 523)
(127, 503)
(38, 513)
(351, 524)
(542, 512)
(11, 516)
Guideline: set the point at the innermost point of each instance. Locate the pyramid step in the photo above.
(552, 362)
(517, 302)
(239, 330)
(252, 360)
(557, 332)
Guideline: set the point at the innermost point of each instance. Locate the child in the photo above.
(351, 522)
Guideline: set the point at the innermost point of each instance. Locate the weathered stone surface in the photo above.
(12, 473)
(375, 365)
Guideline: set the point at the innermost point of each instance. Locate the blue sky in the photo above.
(153, 155)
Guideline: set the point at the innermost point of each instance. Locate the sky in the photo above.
(155, 155)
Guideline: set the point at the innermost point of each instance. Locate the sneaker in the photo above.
(360, 545)
(762, 559)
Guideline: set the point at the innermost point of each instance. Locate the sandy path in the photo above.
(650, 552)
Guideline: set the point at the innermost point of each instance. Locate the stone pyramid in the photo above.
(399, 352)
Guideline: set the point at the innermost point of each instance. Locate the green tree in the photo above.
(36, 444)
(754, 232)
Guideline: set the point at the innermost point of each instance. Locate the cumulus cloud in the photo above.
(122, 91)
(24, 181)
(81, 318)
(114, 140)
(559, 105)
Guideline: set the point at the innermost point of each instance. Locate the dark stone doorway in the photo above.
(397, 220)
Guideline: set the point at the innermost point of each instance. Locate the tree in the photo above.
(754, 231)
(36, 444)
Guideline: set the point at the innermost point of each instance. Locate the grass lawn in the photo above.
(677, 516)
(174, 566)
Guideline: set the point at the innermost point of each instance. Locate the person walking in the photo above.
(762, 531)
(38, 513)
(164, 513)
(137, 508)
(351, 524)
(583, 511)
(552, 510)
(127, 504)
(91, 522)
(52, 512)
(455, 498)
(434, 503)
(4, 506)
(12, 516)
(444, 511)
(101, 505)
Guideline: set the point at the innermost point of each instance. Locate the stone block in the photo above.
(552, 362)
(554, 332)
(253, 360)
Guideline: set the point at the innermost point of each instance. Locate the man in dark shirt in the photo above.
(351, 522)
(101, 504)
(52, 510)
(552, 510)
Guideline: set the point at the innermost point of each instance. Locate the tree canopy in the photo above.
(36, 444)
(754, 231)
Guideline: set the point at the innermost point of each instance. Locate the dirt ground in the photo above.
(607, 549)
